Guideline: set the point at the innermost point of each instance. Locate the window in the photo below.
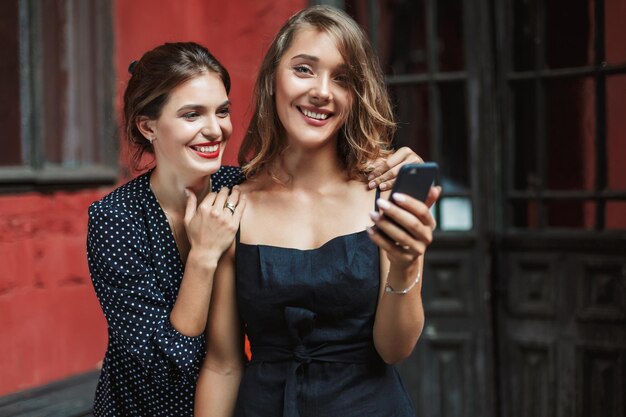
(57, 80)
(422, 52)
(566, 83)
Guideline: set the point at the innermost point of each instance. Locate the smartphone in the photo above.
(415, 180)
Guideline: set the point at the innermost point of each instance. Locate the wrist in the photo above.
(402, 280)
(202, 259)
(404, 274)
(404, 290)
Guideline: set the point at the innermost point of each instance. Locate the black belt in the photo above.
(300, 322)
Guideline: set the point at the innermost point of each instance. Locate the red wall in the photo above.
(236, 32)
(51, 325)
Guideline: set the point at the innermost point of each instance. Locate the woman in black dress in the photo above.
(327, 301)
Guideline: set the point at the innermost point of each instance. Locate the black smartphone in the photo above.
(415, 180)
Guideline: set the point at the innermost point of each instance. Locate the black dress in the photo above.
(309, 316)
(149, 368)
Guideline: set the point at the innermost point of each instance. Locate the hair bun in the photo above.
(132, 66)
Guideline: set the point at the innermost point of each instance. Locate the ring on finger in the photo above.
(230, 206)
(405, 247)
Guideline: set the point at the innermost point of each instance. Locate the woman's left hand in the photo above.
(403, 228)
(385, 171)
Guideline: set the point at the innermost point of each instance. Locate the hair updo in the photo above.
(152, 79)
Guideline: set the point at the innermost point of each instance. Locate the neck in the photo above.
(169, 189)
(312, 168)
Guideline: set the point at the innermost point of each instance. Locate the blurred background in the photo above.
(520, 101)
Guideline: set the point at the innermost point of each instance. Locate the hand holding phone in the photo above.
(413, 180)
(404, 229)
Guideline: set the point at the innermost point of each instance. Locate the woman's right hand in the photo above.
(210, 225)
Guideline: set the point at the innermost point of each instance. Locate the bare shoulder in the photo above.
(247, 187)
(257, 183)
(258, 188)
(360, 188)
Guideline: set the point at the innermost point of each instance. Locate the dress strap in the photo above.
(376, 200)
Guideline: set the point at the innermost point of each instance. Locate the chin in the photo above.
(313, 140)
(209, 167)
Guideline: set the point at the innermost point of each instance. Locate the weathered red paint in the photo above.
(51, 325)
(236, 32)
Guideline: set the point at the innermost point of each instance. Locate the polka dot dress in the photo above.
(149, 368)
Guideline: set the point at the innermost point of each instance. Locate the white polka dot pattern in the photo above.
(149, 368)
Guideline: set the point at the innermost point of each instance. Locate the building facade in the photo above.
(520, 102)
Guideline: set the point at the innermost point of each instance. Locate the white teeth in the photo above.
(207, 149)
(318, 116)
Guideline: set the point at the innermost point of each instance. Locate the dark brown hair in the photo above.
(153, 77)
(370, 125)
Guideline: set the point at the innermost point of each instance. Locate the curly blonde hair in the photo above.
(370, 126)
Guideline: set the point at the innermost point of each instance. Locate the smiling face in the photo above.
(312, 96)
(191, 133)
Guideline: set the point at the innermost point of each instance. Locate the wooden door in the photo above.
(561, 253)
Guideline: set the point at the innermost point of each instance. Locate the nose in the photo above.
(211, 129)
(321, 90)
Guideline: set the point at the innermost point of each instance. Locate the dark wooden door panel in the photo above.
(450, 373)
(562, 328)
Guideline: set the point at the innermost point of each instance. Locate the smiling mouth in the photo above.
(314, 115)
(206, 149)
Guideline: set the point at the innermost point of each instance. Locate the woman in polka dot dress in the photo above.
(153, 244)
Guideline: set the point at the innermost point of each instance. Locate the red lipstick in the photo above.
(207, 150)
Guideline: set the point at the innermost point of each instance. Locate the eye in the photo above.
(223, 112)
(342, 79)
(192, 115)
(302, 69)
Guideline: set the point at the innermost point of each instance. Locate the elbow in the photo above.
(223, 369)
(223, 366)
(396, 355)
(394, 351)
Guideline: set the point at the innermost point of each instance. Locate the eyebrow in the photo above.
(316, 59)
(200, 106)
(306, 56)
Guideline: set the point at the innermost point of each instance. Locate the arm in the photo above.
(211, 230)
(136, 310)
(222, 369)
(133, 300)
(400, 317)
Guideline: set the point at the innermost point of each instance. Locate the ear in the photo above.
(146, 126)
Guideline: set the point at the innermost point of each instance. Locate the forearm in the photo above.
(189, 314)
(216, 392)
(222, 369)
(139, 326)
(399, 317)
